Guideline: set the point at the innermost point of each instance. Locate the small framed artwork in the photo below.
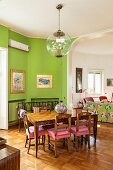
(44, 81)
(17, 81)
(78, 80)
(109, 82)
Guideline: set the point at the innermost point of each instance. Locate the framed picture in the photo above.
(17, 81)
(78, 80)
(109, 82)
(44, 81)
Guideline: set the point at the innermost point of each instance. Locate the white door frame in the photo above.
(70, 88)
(4, 88)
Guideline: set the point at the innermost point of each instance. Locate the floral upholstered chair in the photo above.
(103, 99)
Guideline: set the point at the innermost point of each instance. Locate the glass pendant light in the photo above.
(58, 44)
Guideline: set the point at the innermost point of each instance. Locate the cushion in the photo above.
(61, 133)
(30, 133)
(83, 130)
(21, 113)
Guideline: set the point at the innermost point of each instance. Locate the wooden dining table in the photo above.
(48, 118)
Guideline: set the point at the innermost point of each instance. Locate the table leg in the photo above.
(36, 138)
(95, 127)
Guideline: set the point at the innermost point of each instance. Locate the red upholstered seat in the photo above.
(83, 130)
(62, 133)
(30, 132)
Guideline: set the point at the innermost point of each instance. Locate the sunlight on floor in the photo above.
(98, 125)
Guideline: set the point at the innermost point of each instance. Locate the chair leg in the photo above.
(88, 141)
(68, 145)
(76, 141)
(39, 140)
(48, 142)
(63, 142)
(26, 141)
(29, 145)
(55, 148)
(82, 140)
(43, 141)
(19, 124)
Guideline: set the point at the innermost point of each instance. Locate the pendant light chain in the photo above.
(59, 19)
(58, 44)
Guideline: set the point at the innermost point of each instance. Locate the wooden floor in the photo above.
(98, 158)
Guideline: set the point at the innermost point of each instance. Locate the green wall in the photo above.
(35, 62)
(17, 59)
(41, 63)
(3, 36)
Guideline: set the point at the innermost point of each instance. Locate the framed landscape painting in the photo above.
(17, 81)
(44, 81)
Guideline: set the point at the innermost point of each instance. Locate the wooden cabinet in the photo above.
(9, 158)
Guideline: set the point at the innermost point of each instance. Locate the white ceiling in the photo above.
(39, 18)
(96, 44)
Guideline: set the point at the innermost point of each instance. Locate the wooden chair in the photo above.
(21, 114)
(60, 131)
(82, 128)
(30, 134)
(78, 110)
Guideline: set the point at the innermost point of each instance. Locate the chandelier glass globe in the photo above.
(58, 44)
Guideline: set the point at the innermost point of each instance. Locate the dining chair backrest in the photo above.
(62, 121)
(78, 110)
(26, 123)
(36, 109)
(83, 119)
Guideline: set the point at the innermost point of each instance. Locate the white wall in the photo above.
(3, 89)
(88, 61)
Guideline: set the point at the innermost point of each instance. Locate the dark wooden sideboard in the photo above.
(9, 158)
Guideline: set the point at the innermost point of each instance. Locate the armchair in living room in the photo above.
(103, 99)
(88, 99)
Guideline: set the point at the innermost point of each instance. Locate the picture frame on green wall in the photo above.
(17, 81)
(44, 81)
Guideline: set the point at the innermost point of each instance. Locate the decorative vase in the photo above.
(61, 107)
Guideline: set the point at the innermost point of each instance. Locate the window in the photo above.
(95, 82)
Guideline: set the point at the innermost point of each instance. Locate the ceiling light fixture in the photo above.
(59, 43)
